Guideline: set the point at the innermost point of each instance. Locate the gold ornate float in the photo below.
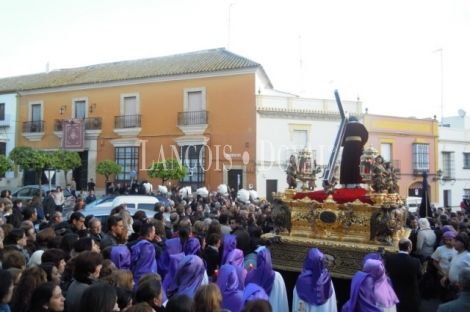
(345, 224)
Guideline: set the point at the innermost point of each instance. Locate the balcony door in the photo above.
(36, 118)
(130, 112)
(194, 105)
(80, 109)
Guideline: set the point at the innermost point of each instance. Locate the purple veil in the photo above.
(235, 258)
(142, 260)
(192, 246)
(228, 285)
(314, 283)
(383, 291)
(121, 257)
(253, 292)
(350, 305)
(230, 243)
(374, 256)
(174, 261)
(188, 277)
(172, 246)
(264, 274)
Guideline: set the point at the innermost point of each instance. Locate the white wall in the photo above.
(456, 140)
(8, 133)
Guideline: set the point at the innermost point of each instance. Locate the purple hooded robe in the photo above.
(370, 289)
(172, 247)
(235, 258)
(228, 285)
(188, 277)
(192, 246)
(229, 244)
(264, 274)
(314, 283)
(121, 257)
(174, 262)
(142, 260)
(253, 292)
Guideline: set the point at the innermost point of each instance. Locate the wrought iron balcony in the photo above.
(193, 118)
(5, 122)
(92, 123)
(127, 121)
(33, 126)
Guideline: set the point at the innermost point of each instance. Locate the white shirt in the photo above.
(459, 261)
(444, 256)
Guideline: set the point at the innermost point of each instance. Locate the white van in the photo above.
(413, 203)
(144, 202)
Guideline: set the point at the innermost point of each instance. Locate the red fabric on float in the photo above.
(341, 196)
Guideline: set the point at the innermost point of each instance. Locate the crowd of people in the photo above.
(208, 257)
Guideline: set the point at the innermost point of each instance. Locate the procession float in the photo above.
(344, 223)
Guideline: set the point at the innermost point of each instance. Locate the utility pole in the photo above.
(442, 84)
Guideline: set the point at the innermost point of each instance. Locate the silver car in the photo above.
(28, 192)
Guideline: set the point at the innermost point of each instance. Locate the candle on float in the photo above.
(251, 266)
(216, 273)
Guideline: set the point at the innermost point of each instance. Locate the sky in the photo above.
(400, 58)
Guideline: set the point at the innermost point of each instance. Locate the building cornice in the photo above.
(120, 83)
(299, 114)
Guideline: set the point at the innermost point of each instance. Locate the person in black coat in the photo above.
(49, 204)
(211, 253)
(405, 271)
(243, 237)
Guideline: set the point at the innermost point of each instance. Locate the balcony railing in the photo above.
(127, 121)
(5, 122)
(193, 118)
(33, 126)
(92, 123)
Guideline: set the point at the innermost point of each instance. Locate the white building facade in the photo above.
(8, 109)
(454, 160)
(286, 124)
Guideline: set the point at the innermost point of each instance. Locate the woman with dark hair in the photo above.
(141, 307)
(30, 279)
(99, 298)
(17, 238)
(47, 297)
(150, 292)
(107, 268)
(52, 272)
(67, 244)
(55, 256)
(36, 202)
(116, 210)
(180, 303)
(16, 216)
(85, 243)
(6, 290)
(124, 298)
(87, 268)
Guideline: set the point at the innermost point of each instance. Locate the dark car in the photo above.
(28, 192)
